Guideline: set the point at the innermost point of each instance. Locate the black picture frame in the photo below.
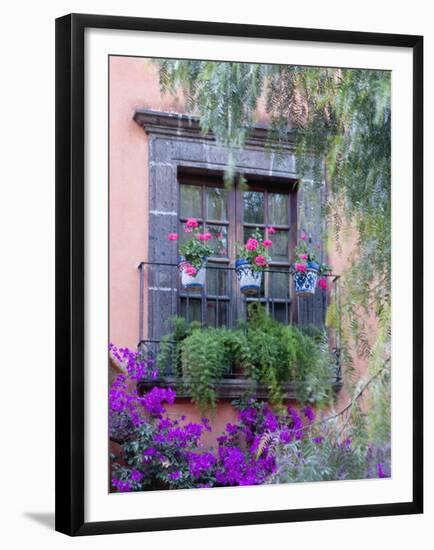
(70, 281)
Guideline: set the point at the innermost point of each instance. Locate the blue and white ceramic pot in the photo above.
(305, 281)
(249, 280)
(192, 282)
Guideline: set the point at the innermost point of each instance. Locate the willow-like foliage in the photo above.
(340, 122)
(224, 95)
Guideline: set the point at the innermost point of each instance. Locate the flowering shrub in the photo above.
(196, 249)
(255, 250)
(159, 451)
(156, 450)
(244, 457)
(125, 404)
(305, 254)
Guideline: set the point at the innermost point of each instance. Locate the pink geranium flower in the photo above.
(271, 230)
(191, 222)
(300, 267)
(303, 236)
(204, 236)
(252, 244)
(190, 270)
(172, 236)
(303, 256)
(260, 260)
(267, 243)
(322, 283)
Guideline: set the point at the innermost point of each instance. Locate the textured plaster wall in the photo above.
(133, 83)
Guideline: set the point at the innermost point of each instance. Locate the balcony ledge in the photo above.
(229, 388)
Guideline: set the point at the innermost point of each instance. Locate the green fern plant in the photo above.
(169, 356)
(203, 362)
(265, 351)
(284, 353)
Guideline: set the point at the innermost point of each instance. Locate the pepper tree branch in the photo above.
(350, 403)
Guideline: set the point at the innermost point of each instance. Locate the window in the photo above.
(232, 216)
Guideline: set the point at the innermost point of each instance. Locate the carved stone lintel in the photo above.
(185, 126)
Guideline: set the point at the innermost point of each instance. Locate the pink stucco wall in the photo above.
(341, 263)
(133, 83)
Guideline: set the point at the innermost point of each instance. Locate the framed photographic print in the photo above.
(238, 274)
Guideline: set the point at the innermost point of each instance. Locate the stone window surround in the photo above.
(176, 144)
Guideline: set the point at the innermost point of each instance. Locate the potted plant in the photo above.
(193, 255)
(252, 259)
(307, 269)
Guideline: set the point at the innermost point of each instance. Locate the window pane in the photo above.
(278, 285)
(190, 201)
(277, 209)
(192, 311)
(253, 207)
(217, 280)
(280, 247)
(216, 204)
(220, 239)
(217, 315)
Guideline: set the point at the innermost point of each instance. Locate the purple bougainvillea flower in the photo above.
(271, 423)
(122, 486)
(165, 423)
(200, 463)
(380, 470)
(153, 400)
(150, 452)
(206, 423)
(248, 416)
(309, 413)
(231, 429)
(136, 475)
(285, 436)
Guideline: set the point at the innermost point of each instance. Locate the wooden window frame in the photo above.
(235, 225)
